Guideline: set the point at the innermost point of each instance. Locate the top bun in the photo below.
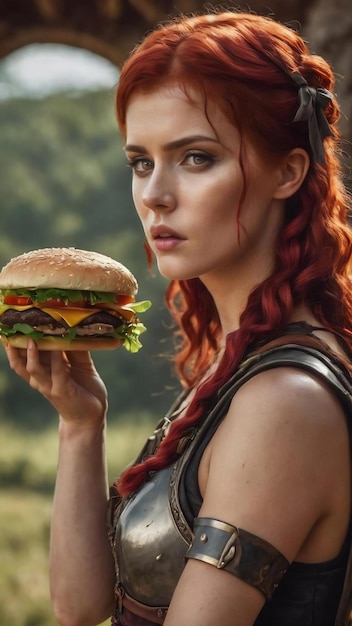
(68, 268)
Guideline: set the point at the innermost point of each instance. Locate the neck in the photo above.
(230, 299)
(231, 287)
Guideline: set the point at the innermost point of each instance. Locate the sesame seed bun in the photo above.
(68, 268)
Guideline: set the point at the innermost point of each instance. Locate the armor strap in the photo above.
(239, 552)
(142, 614)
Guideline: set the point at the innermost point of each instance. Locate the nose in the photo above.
(159, 192)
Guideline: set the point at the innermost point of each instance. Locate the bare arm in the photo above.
(81, 566)
(278, 467)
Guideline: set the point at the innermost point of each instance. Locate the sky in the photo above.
(41, 69)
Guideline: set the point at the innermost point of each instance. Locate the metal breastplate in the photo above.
(151, 554)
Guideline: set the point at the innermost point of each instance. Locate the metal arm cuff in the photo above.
(237, 551)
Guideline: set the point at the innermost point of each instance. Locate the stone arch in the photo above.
(110, 27)
(105, 27)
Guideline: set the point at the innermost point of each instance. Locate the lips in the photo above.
(163, 232)
(164, 239)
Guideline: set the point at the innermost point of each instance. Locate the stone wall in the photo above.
(110, 27)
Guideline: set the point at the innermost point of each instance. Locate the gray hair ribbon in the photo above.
(312, 102)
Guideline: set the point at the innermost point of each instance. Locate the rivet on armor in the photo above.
(159, 612)
(158, 557)
(203, 538)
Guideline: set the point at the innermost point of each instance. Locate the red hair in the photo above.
(244, 62)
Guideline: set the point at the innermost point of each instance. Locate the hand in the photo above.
(68, 380)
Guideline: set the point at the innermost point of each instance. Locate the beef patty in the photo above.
(99, 323)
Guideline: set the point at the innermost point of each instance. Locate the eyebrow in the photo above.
(172, 145)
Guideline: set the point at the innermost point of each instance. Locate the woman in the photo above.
(230, 129)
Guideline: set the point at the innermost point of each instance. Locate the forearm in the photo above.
(81, 565)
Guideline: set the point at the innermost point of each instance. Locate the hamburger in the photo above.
(69, 299)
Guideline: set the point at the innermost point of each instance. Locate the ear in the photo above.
(293, 170)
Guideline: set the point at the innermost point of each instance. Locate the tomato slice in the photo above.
(17, 300)
(121, 300)
(61, 304)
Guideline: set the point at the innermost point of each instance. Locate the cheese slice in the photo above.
(72, 317)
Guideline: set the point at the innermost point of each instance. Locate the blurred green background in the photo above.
(64, 182)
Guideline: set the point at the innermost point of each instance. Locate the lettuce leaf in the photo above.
(72, 295)
(138, 307)
(129, 333)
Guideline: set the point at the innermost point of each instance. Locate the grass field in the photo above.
(27, 474)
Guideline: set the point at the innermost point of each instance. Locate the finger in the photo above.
(46, 369)
(60, 367)
(38, 367)
(17, 359)
(79, 356)
(41, 359)
(80, 360)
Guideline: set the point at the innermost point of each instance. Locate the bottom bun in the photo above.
(57, 343)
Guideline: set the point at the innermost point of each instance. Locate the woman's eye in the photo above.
(197, 159)
(140, 165)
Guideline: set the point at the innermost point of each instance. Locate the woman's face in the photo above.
(188, 186)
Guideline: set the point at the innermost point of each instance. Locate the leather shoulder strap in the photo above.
(326, 366)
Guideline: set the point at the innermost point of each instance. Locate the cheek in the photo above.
(227, 191)
(137, 201)
(224, 204)
(135, 193)
(143, 220)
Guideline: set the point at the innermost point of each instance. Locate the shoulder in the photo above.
(288, 406)
(286, 392)
(277, 456)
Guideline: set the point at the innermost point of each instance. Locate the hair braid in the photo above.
(238, 58)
